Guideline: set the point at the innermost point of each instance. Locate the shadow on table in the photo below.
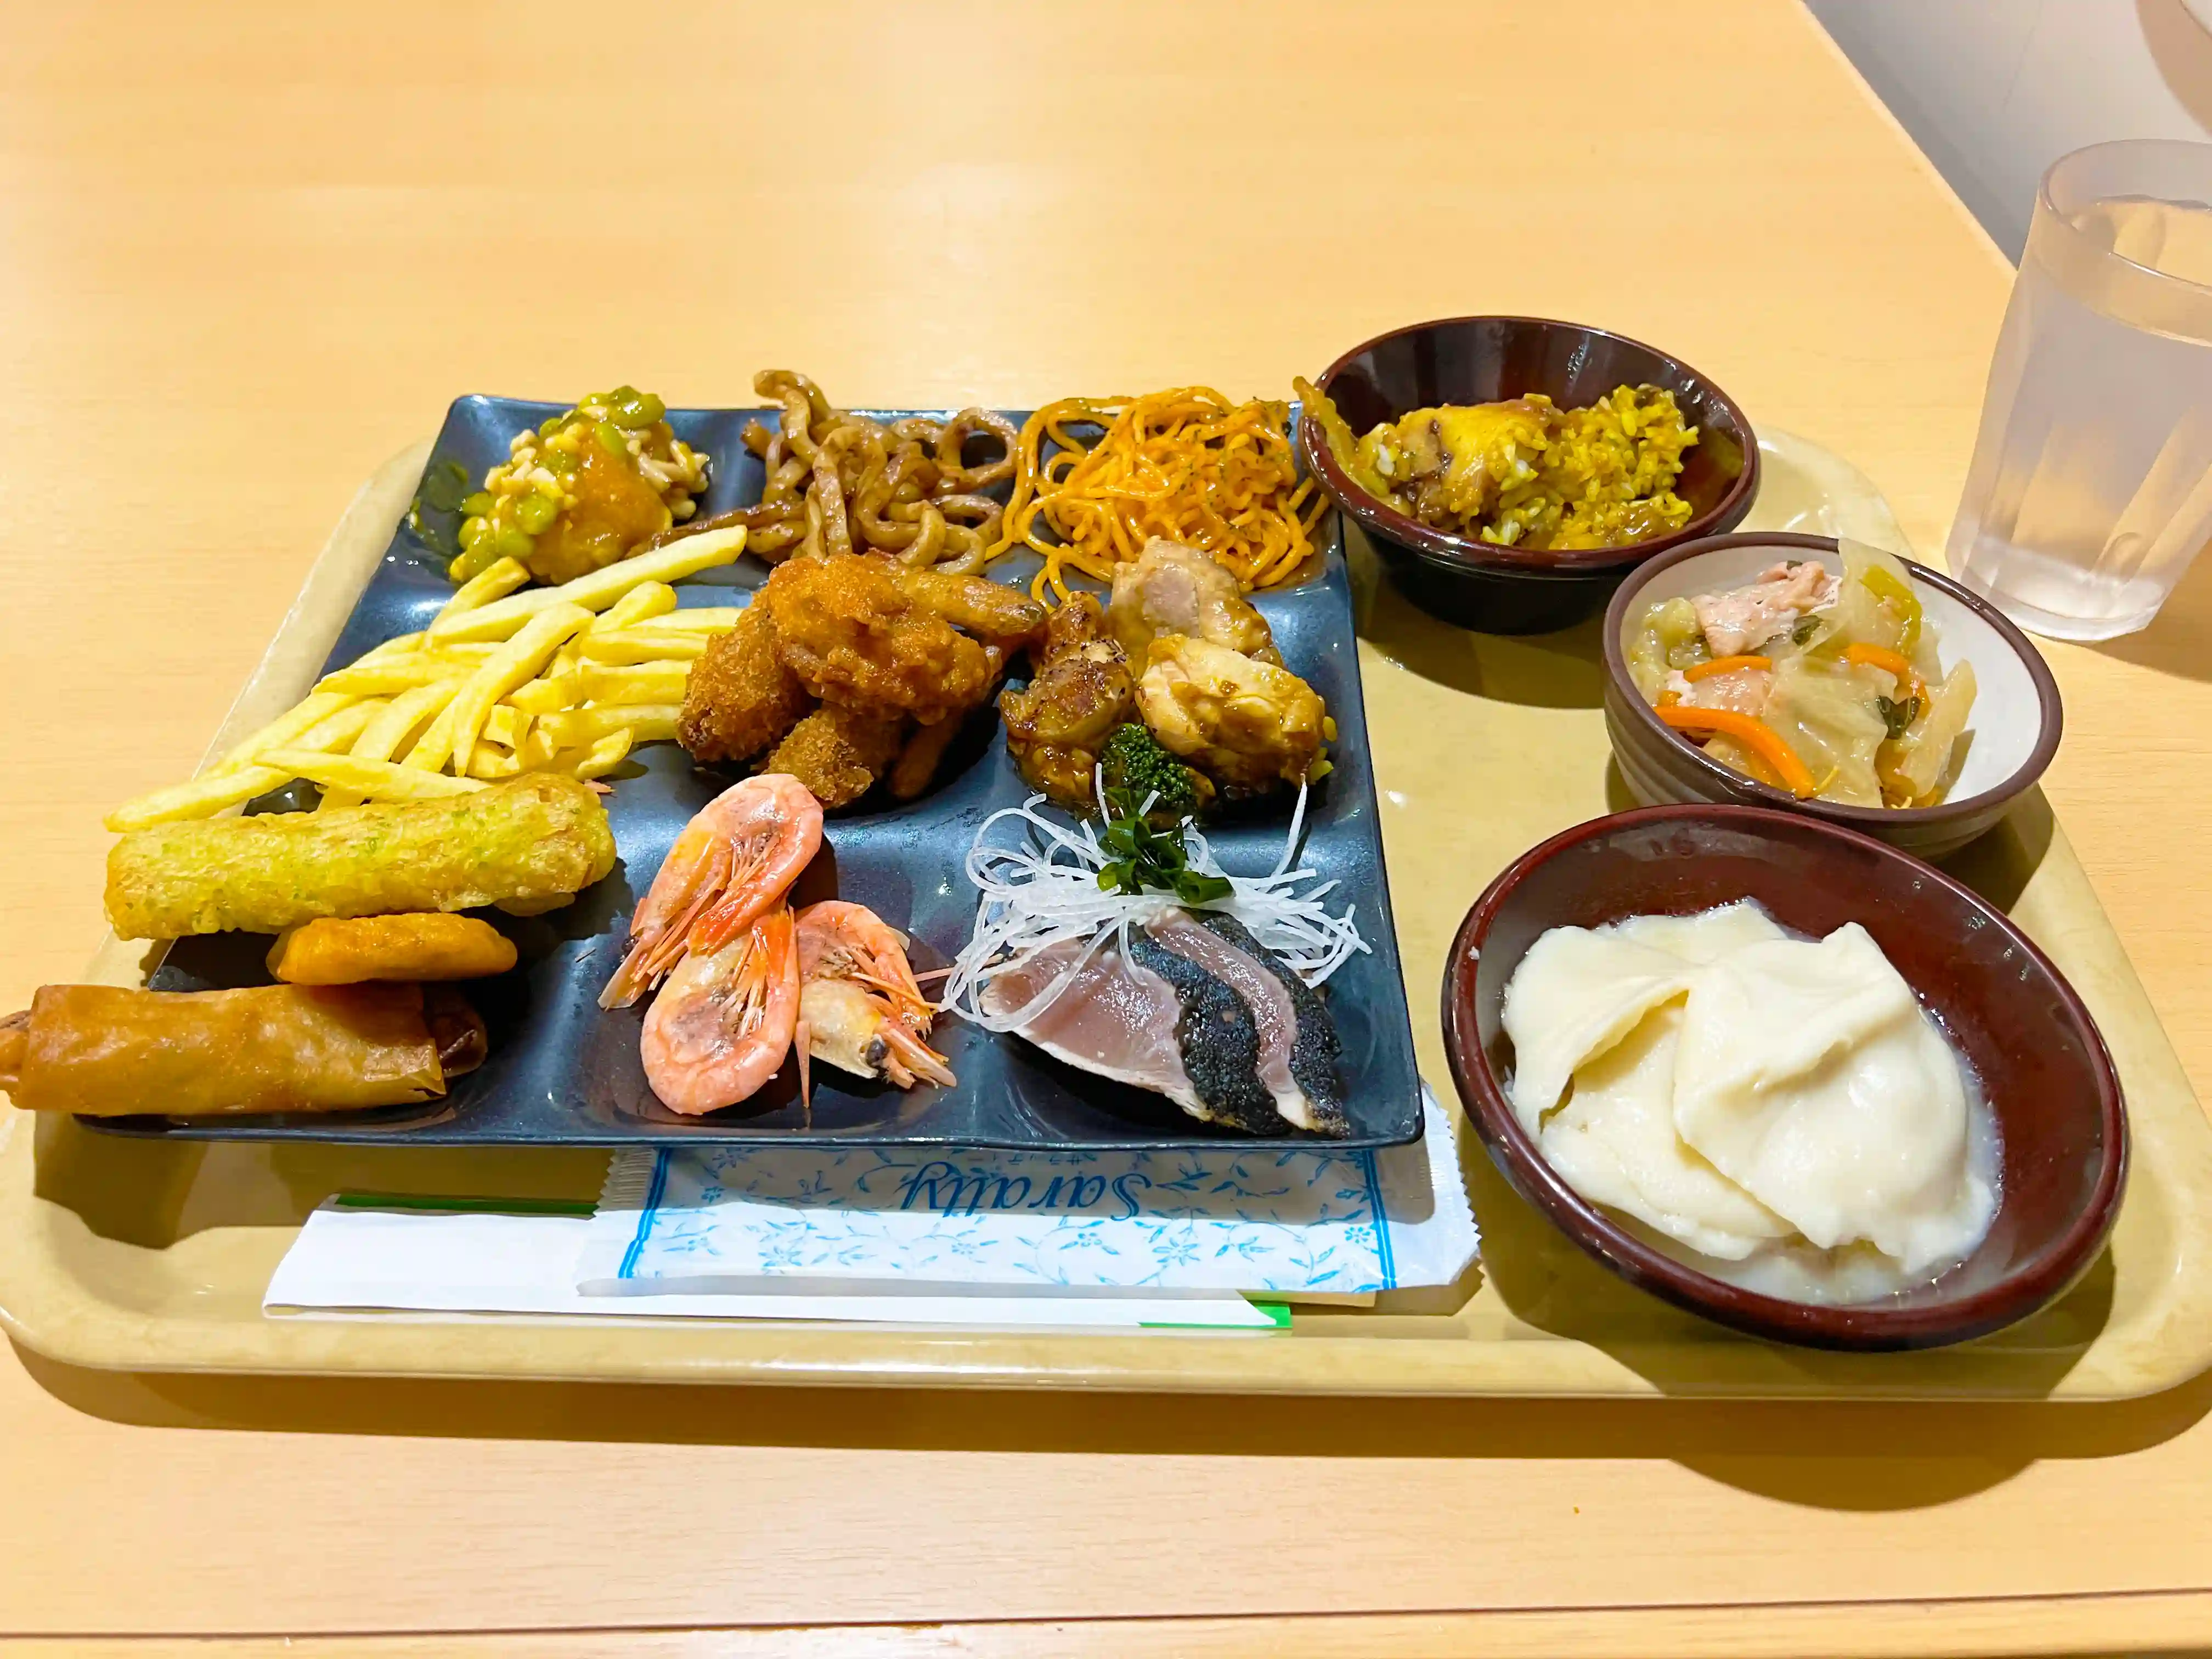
(2179, 642)
(1565, 670)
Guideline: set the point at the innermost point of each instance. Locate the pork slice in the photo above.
(1743, 618)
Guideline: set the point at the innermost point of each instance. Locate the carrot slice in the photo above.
(1754, 733)
(1725, 666)
(1877, 656)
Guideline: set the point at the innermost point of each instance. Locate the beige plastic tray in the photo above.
(153, 1254)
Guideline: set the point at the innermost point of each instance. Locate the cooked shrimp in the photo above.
(720, 1027)
(860, 1008)
(732, 864)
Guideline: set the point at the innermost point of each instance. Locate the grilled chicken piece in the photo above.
(1174, 589)
(1452, 462)
(1247, 725)
(1082, 691)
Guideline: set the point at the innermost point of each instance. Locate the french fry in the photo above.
(506, 725)
(498, 662)
(315, 707)
(394, 723)
(699, 619)
(578, 728)
(435, 746)
(228, 785)
(495, 581)
(599, 759)
(546, 694)
(596, 591)
(643, 645)
(398, 646)
(536, 751)
(369, 679)
(511, 666)
(640, 603)
(649, 682)
(491, 762)
(378, 780)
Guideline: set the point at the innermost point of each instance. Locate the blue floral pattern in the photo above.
(1206, 1219)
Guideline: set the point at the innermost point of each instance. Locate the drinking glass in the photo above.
(2091, 489)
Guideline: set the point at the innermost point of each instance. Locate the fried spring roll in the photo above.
(536, 838)
(105, 1051)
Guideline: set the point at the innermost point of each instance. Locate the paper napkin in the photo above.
(723, 1220)
(384, 1255)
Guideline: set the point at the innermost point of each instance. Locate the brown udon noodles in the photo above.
(840, 483)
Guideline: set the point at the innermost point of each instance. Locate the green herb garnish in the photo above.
(1802, 633)
(1149, 858)
(1898, 716)
(1136, 762)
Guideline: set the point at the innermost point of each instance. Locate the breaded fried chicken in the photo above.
(993, 612)
(837, 753)
(740, 697)
(854, 637)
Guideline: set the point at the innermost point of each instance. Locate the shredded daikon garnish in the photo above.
(1042, 890)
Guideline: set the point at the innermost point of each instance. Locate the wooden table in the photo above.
(248, 253)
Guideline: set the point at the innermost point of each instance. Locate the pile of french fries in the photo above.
(506, 679)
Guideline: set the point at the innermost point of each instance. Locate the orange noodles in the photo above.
(1186, 463)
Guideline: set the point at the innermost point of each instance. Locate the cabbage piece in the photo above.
(1828, 713)
(1913, 767)
(1668, 639)
(1875, 606)
(1737, 755)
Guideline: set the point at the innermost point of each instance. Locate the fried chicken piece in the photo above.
(837, 753)
(919, 761)
(1174, 589)
(1057, 724)
(991, 612)
(740, 697)
(845, 627)
(1249, 725)
(925, 744)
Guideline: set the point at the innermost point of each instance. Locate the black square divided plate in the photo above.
(563, 1072)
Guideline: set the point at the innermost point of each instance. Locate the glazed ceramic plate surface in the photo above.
(563, 1072)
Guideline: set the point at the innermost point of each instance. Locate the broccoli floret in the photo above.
(1137, 766)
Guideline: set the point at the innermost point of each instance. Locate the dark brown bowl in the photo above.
(2016, 722)
(2042, 1065)
(1470, 360)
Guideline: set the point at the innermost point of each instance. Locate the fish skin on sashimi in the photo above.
(1317, 1048)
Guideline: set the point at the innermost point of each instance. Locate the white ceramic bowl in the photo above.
(2012, 734)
